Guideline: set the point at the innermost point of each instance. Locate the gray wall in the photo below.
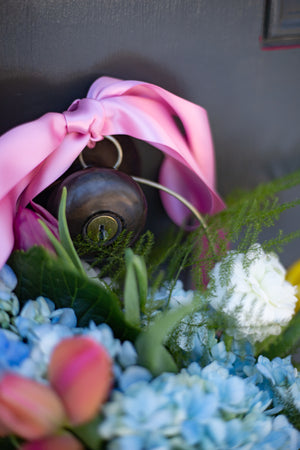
(204, 50)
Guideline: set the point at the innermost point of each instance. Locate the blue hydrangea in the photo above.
(239, 360)
(202, 341)
(123, 354)
(9, 304)
(168, 297)
(179, 296)
(278, 378)
(278, 372)
(223, 400)
(198, 408)
(12, 351)
(43, 337)
(41, 311)
(191, 336)
(8, 279)
(43, 327)
(281, 379)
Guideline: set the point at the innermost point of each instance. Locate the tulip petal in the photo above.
(28, 231)
(29, 409)
(80, 372)
(62, 442)
(47, 217)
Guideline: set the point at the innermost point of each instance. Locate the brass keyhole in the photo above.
(102, 233)
(102, 228)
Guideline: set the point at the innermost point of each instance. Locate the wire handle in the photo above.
(153, 184)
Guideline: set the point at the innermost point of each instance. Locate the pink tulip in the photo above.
(60, 442)
(80, 372)
(28, 231)
(29, 409)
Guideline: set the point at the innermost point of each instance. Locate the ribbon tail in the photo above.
(55, 165)
(25, 147)
(7, 208)
(32, 156)
(181, 180)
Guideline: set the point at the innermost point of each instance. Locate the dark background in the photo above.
(207, 51)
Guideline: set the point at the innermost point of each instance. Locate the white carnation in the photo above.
(251, 291)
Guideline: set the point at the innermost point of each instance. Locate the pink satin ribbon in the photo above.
(35, 154)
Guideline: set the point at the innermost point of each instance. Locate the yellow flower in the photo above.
(293, 276)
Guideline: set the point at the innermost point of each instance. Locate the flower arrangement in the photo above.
(122, 362)
(105, 347)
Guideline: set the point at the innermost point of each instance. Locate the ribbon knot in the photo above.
(86, 116)
(36, 153)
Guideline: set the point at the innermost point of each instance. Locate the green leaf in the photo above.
(64, 234)
(284, 344)
(64, 248)
(131, 297)
(136, 285)
(141, 276)
(61, 252)
(150, 343)
(157, 359)
(88, 434)
(9, 443)
(40, 273)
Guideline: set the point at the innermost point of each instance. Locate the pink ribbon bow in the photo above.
(35, 154)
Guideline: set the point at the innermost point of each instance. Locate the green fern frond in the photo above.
(247, 215)
(110, 260)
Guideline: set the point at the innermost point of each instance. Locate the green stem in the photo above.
(186, 203)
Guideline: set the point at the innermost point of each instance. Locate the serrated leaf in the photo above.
(150, 343)
(40, 273)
